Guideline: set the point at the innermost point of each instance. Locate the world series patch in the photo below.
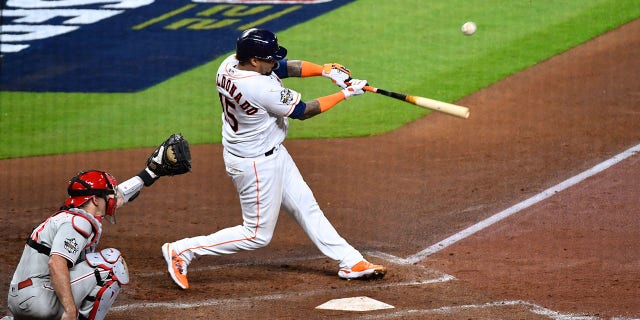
(71, 245)
(286, 96)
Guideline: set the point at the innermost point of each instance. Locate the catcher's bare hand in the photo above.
(172, 157)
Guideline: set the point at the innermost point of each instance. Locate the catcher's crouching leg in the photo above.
(111, 273)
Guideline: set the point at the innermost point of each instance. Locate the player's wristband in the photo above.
(327, 102)
(310, 69)
(147, 176)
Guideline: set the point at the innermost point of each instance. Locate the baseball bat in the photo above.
(448, 108)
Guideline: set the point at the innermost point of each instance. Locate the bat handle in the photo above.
(370, 89)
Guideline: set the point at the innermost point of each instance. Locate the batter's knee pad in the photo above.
(111, 273)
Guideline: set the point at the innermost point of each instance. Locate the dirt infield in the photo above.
(574, 254)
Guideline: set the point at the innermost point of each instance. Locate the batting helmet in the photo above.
(259, 43)
(91, 183)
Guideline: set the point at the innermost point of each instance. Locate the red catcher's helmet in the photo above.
(93, 183)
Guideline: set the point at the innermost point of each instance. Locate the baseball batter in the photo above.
(60, 275)
(255, 111)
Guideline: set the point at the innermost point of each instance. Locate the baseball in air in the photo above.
(469, 28)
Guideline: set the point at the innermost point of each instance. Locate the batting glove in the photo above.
(337, 73)
(354, 88)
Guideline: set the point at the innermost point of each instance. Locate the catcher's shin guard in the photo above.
(104, 298)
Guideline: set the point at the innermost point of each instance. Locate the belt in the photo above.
(270, 152)
(266, 154)
(24, 284)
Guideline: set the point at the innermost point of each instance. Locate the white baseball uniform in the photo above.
(255, 110)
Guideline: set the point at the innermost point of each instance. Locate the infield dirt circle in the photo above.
(574, 254)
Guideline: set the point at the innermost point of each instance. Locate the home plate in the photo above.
(354, 304)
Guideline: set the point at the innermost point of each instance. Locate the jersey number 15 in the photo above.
(227, 105)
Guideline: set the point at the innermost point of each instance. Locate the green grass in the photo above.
(410, 46)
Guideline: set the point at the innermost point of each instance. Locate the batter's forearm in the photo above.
(312, 110)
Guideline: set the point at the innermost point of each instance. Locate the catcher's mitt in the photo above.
(171, 158)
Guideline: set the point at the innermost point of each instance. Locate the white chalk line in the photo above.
(439, 277)
(522, 205)
(412, 260)
(533, 308)
(307, 293)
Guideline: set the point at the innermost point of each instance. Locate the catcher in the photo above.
(60, 274)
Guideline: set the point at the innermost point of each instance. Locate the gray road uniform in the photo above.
(73, 235)
(74, 232)
(96, 277)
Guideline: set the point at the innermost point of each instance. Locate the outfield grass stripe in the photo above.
(424, 54)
